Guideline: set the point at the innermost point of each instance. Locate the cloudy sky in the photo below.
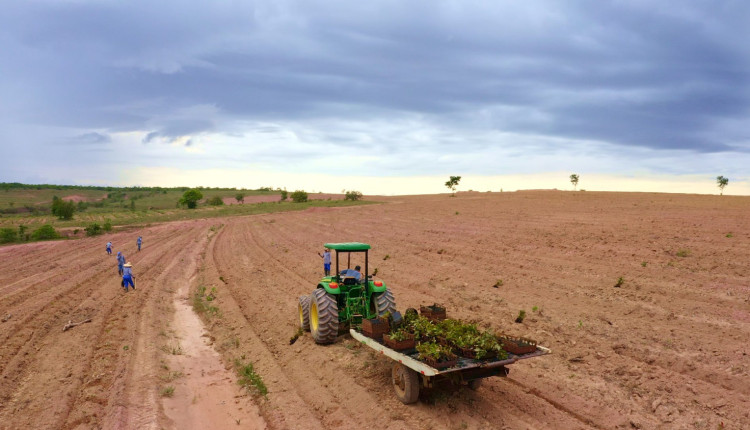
(386, 96)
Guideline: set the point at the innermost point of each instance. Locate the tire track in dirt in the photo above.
(113, 390)
(101, 303)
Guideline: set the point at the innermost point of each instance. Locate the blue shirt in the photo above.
(138, 241)
(121, 259)
(351, 272)
(127, 271)
(326, 257)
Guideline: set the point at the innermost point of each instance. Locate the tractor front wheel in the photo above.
(405, 383)
(304, 312)
(385, 302)
(324, 317)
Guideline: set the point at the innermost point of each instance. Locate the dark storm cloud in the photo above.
(658, 75)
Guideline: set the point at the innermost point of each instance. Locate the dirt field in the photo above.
(667, 349)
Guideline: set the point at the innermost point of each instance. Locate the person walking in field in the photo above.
(127, 276)
(109, 248)
(326, 256)
(139, 242)
(120, 262)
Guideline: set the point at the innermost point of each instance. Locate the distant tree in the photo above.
(216, 201)
(574, 180)
(353, 195)
(45, 232)
(190, 198)
(453, 183)
(722, 182)
(63, 209)
(284, 195)
(299, 196)
(22, 232)
(240, 197)
(132, 205)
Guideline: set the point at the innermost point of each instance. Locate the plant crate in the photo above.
(399, 345)
(375, 328)
(470, 353)
(440, 364)
(433, 313)
(517, 345)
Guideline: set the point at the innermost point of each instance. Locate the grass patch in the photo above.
(172, 349)
(202, 301)
(683, 253)
(248, 378)
(171, 376)
(167, 391)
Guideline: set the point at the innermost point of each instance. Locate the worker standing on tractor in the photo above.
(120, 262)
(127, 276)
(109, 248)
(139, 242)
(326, 256)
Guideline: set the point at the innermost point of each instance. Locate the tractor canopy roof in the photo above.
(348, 246)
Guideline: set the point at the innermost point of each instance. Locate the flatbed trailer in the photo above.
(410, 375)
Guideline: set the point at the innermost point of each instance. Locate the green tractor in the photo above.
(345, 298)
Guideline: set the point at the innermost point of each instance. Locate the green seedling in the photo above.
(498, 284)
(620, 282)
(683, 253)
(521, 316)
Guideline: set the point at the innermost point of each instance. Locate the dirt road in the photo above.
(666, 349)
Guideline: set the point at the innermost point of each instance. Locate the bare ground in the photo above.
(666, 349)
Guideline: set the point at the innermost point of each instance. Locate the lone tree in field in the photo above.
(190, 198)
(574, 180)
(63, 209)
(240, 198)
(453, 183)
(721, 182)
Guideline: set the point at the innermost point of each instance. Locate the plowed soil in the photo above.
(667, 348)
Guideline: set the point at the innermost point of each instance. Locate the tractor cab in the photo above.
(350, 275)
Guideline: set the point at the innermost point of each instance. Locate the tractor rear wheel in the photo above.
(405, 383)
(304, 312)
(324, 317)
(385, 302)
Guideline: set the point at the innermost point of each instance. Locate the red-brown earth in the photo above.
(666, 349)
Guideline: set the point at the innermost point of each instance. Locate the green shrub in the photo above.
(63, 209)
(299, 196)
(284, 195)
(93, 229)
(8, 235)
(215, 201)
(353, 195)
(45, 232)
(107, 225)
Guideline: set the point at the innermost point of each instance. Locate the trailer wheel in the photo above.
(324, 317)
(474, 384)
(385, 302)
(405, 383)
(304, 312)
